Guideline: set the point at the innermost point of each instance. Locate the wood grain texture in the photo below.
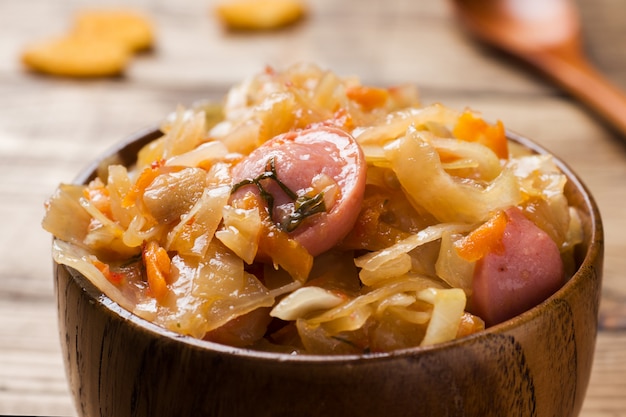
(50, 128)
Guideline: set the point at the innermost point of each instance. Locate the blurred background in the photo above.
(50, 127)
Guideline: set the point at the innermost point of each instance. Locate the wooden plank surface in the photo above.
(50, 128)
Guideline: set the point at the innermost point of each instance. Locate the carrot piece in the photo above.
(368, 97)
(158, 268)
(474, 129)
(98, 195)
(343, 119)
(144, 179)
(114, 277)
(276, 245)
(486, 238)
(286, 252)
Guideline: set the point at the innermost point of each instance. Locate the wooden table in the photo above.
(50, 128)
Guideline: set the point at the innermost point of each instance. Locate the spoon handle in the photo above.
(577, 76)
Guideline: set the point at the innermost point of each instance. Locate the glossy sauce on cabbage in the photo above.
(383, 251)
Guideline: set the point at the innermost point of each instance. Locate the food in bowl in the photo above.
(311, 214)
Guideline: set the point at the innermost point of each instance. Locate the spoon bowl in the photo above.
(522, 26)
(546, 35)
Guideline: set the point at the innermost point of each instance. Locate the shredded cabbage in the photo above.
(394, 281)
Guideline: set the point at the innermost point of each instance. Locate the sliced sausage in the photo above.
(524, 273)
(299, 158)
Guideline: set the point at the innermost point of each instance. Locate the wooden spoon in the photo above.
(546, 35)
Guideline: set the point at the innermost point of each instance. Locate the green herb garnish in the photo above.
(304, 206)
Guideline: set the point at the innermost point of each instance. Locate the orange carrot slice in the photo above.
(474, 129)
(368, 97)
(98, 195)
(114, 277)
(486, 238)
(158, 267)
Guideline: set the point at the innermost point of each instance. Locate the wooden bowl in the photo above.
(536, 364)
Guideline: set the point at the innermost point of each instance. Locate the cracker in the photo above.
(260, 14)
(127, 27)
(77, 56)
